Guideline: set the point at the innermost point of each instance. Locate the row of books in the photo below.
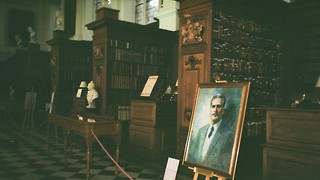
(243, 38)
(256, 112)
(236, 51)
(132, 69)
(311, 67)
(261, 97)
(74, 67)
(124, 113)
(312, 54)
(75, 59)
(117, 97)
(152, 48)
(121, 112)
(265, 82)
(138, 56)
(313, 31)
(124, 82)
(256, 128)
(245, 67)
(244, 23)
(66, 74)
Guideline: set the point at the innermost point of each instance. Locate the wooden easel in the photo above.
(52, 110)
(29, 107)
(208, 174)
(28, 121)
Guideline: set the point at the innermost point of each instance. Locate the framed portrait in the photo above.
(215, 129)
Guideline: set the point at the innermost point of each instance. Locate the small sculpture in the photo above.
(18, 39)
(168, 90)
(92, 95)
(59, 19)
(105, 3)
(11, 93)
(32, 35)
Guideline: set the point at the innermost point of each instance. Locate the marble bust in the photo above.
(91, 95)
(32, 35)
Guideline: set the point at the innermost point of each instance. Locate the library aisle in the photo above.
(24, 158)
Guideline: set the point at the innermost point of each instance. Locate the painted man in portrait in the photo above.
(213, 143)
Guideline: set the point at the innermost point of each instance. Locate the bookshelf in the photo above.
(235, 42)
(27, 69)
(302, 66)
(310, 69)
(249, 50)
(122, 61)
(71, 63)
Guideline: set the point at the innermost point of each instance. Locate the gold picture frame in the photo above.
(220, 153)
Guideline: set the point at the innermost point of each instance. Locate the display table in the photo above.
(103, 126)
(292, 149)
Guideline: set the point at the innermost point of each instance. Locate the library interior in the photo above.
(160, 89)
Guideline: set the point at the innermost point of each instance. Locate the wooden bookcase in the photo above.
(71, 63)
(124, 56)
(235, 42)
(27, 69)
(304, 27)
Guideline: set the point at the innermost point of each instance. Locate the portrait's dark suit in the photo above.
(220, 149)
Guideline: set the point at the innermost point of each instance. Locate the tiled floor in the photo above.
(26, 158)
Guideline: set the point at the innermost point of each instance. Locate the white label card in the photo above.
(171, 169)
(148, 87)
(79, 93)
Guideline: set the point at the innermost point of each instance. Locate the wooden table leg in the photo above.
(88, 160)
(65, 146)
(117, 157)
(48, 138)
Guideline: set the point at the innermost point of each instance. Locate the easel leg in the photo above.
(206, 173)
(88, 160)
(195, 176)
(32, 125)
(28, 123)
(221, 178)
(65, 146)
(117, 157)
(56, 135)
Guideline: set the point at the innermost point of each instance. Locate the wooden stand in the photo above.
(206, 173)
(29, 107)
(28, 122)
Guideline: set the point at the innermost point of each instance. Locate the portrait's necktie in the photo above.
(211, 131)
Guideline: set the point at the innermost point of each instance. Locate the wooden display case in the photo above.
(292, 144)
(153, 126)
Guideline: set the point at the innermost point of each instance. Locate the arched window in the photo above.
(146, 10)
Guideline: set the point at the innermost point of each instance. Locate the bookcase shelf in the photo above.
(71, 63)
(126, 60)
(244, 50)
(306, 54)
(28, 69)
(235, 43)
